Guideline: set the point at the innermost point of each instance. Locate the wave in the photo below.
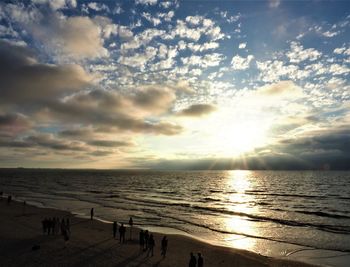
(324, 214)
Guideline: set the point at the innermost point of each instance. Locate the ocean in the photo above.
(297, 214)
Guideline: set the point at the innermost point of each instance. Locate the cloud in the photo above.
(274, 3)
(110, 143)
(75, 37)
(155, 21)
(121, 112)
(242, 45)
(298, 54)
(57, 4)
(154, 99)
(12, 124)
(25, 81)
(146, 2)
(241, 63)
(197, 110)
(208, 60)
(142, 39)
(282, 89)
(98, 7)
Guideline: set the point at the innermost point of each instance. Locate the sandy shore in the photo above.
(91, 244)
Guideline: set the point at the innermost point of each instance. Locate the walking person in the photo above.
(92, 214)
(151, 245)
(64, 232)
(200, 260)
(114, 229)
(164, 246)
(193, 261)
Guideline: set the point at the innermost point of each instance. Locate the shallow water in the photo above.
(270, 212)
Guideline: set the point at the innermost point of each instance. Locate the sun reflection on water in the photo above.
(238, 182)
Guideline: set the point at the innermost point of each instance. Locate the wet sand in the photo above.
(91, 244)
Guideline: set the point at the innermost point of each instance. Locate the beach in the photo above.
(22, 243)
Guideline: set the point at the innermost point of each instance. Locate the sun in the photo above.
(232, 132)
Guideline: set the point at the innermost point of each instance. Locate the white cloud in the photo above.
(338, 69)
(146, 2)
(209, 60)
(241, 63)
(342, 50)
(271, 71)
(274, 3)
(166, 16)
(183, 31)
(98, 6)
(195, 26)
(330, 34)
(153, 20)
(142, 39)
(202, 47)
(242, 45)
(139, 60)
(57, 4)
(298, 54)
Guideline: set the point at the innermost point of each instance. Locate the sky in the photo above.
(175, 84)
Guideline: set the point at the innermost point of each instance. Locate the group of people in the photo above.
(53, 226)
(196, 262)
(147, 243)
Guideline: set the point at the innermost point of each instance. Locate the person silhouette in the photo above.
(114, 229)
(92, 214)
(122, 230)
(200, 260)
(164, 246)
(141, 240)
(151, 244)
(193, 261)
(146, 236)
(131, 224)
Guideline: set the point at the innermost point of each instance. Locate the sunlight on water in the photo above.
(238, 181)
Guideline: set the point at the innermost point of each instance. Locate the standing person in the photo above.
(151, 244)
(141, 240)
(64, 232)
(9, 198)
(200, 260)
(92, 214)
(193, 261)
(122, 230)
(114, 229)
(131, 223)
(164, 246)
(146, 240)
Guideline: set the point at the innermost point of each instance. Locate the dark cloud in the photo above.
(197, 110)
(24, 81)
(154, 98)
(110, 143)
(107, 108)
(43, 140)
(323, 150)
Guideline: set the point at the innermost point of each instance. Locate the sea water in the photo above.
(295, 214)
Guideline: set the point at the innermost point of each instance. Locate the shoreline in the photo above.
(90, 240)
